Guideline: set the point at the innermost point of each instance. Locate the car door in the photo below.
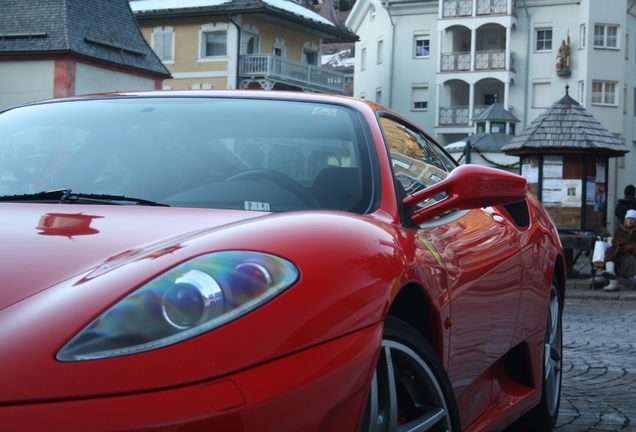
(478, 255)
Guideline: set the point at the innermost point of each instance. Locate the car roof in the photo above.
(248, 94)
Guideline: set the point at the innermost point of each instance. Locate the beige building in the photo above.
(253, 44)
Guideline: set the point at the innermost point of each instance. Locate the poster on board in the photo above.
(572, 193)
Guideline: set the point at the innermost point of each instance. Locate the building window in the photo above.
(541, 97)
(604, 93)
(422, 46)
(215, 44)
(544, 39)
(582, 93)
(583, 36)
(419, 96)
(605, 36)
(627, 46)
(279, 47)
(497, 127)
(380, 51)
(310, 57)
(214, 40)
(310, 53)
(489, 98)
(363, 58)
(163, 43)
(250, 40)
(378, 96)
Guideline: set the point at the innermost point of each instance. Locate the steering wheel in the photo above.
(282, 180)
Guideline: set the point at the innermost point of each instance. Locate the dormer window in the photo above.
(497, 127)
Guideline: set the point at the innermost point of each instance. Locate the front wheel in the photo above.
(410, 390)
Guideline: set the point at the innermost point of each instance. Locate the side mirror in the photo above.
(468, 187)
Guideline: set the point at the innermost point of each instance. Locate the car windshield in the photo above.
(207, 152)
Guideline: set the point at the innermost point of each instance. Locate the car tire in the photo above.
(543, 417)
(410, 389)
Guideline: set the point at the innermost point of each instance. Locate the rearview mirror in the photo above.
(468, 187)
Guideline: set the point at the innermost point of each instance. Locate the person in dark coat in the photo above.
(627, 203)
(620, 258)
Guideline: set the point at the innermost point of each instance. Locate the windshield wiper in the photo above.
(66, 196)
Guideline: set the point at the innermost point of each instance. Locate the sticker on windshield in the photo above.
(256, 206)
(325, 111)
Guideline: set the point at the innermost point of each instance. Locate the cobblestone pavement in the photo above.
(599, 376)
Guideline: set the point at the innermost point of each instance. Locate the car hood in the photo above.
(46, 244)
(63, 265)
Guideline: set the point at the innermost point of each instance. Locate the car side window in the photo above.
(417, 162)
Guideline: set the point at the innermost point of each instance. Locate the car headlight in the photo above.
(190, 299)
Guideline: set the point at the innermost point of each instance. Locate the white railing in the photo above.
(494, 59)
(454, 8)
(457, 61)
(453, 116)
(458, 8)
(460, 115)
(484, 60)
(269, 66)
(495, 7)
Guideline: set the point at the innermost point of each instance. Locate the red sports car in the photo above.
(266, 261)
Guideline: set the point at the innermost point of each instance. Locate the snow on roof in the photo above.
(338, 60)
(286, 5)
(144, 5)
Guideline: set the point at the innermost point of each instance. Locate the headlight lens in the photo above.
(186, 301)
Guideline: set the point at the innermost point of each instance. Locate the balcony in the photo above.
(457, 61)
(484, 60)
(493, 60)
(464, 8)
(460, 115)
(269, 70)
(494, 7)
(453, 116)
(457, 8)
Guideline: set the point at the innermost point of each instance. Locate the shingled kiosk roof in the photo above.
(566, 127)
(97, 30)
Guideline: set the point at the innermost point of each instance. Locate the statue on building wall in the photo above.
(563, 58)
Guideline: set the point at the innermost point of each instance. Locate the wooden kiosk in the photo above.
(564, 156)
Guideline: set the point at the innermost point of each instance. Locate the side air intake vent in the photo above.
(519, 213)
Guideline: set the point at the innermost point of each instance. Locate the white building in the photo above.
(441, 62)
